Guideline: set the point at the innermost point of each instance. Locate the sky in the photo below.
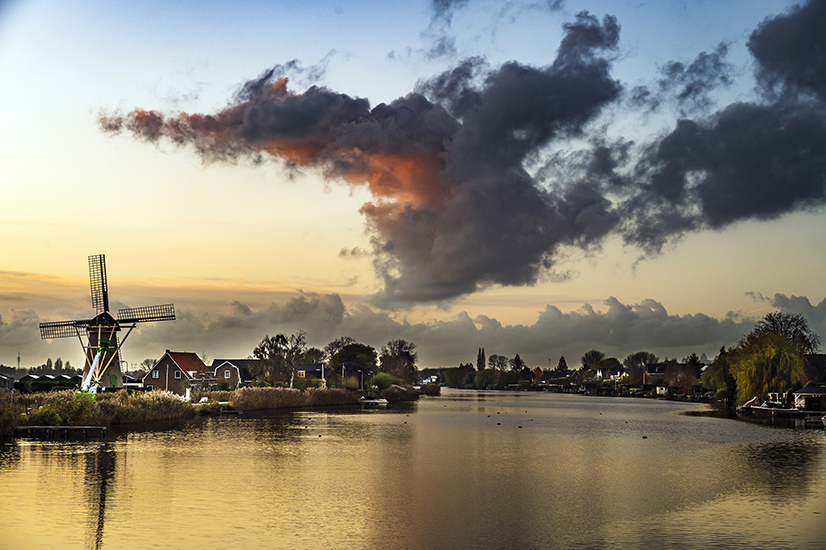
(541, 178)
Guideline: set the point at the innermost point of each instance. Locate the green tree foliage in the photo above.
(353, 357)
(455, 377)
(484, 379)
(767, 363)
(792, 326)
(280, 355)
(333, 347)
(384, 380)
(591, 358)
(398, 357)
(718, 378)
(480, 359)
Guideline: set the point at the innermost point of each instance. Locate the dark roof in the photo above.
(243, 366)
(811, 390)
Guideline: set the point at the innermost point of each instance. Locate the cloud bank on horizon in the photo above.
(619, 330)
(470, 180)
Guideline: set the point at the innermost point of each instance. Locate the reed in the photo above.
(250, 399)
(70, 408)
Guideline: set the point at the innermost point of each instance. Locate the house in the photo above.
(175, 371)
(810, 398)
(609, 373)
(231, 374)
(313, 370)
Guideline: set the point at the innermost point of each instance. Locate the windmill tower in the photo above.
(101, 347)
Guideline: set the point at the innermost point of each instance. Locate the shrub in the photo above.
(384, 380)
(432, 389)
(401, 393)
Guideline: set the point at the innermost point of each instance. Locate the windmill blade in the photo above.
(147, 314)
(97, 281)
(61, 329)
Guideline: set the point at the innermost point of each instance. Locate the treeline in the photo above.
(350, 363)
(777, 356)
(49, 367)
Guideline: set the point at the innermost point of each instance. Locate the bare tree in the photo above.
(792, 326)
(591, 358)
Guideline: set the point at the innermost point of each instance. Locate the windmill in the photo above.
(102, 350)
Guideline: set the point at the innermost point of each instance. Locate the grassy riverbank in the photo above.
(69, 408)
(72, 408)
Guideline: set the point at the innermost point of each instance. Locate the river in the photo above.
(464, 470)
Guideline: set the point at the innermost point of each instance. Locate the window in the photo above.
(177, 375)
(226, 374)
(155, 374)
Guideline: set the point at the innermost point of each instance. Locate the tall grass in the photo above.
(69, 408)
(250, 399)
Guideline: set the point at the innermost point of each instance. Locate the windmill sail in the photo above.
(103, 358)
(62, 329)
(147, 314)
(97, 281)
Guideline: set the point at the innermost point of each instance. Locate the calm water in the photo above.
(464, 470)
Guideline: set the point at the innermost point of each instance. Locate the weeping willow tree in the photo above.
(767, 363)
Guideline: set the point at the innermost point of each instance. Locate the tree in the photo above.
(639, 360)
(792, 326)
(562, 366)
(280, 355)
(147, 364)
(333, 347)
(353, 357)
(314, 355)
(497, 362)
(480, 360)
(484, 379)
(537, 374)
(718, 377)
(591, 358)
(398, 357)
(767, 363)
(517, 364)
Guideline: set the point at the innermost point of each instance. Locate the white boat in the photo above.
(381, 402)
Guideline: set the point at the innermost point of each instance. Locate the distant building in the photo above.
(232, 374)
(177, 370)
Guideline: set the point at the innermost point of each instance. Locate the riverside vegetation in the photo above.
(74, 408)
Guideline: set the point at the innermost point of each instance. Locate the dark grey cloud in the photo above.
(791, 50)
(616, 329)
(455, 207)
(687, 85)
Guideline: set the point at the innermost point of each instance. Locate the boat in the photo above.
(753, 407)
(368, 402)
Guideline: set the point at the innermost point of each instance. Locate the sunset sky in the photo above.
(527, 177)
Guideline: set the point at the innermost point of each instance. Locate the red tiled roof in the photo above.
(188, 361)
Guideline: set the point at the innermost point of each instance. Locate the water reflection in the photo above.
(100, 472)
(464, 470)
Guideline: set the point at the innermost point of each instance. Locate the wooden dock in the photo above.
(60, 433)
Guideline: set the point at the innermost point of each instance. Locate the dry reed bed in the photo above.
(250, 399)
